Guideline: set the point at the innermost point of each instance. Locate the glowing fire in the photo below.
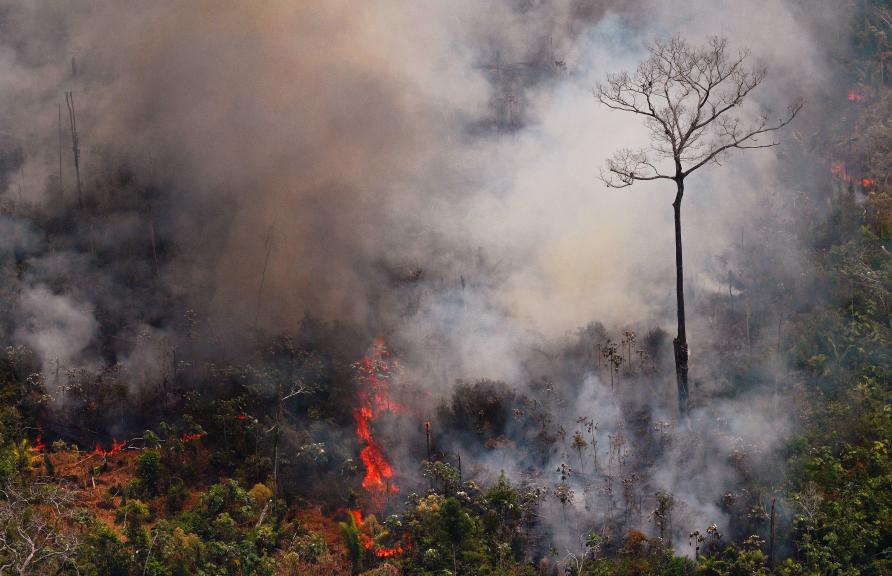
(187, 437)
(38, 446)
(369, 543)
(373, 375)
(838, 170)
(855, 96)
(115, 448)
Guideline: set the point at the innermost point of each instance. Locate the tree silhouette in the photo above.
(690, 98)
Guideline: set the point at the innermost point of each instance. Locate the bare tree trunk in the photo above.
(427, 433)
(75, 148)
(681, 341)
(771, 537)
(269, 249)
(276, 448)
(61, 185)
(153, 241)
(72, 120)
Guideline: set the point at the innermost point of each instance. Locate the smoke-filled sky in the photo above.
(441, 157)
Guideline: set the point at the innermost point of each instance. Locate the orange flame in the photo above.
(855, 96)
(38, 446)
(373, 375)
(369, 543)
(187, 437)
(397, 550)
(839, 171)
(115, 448)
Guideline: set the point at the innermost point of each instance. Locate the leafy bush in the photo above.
(149, 471)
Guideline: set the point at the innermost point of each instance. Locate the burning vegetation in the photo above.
(373, 374)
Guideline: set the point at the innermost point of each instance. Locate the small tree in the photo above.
(150, 471)
(690, 99)
(456, 526)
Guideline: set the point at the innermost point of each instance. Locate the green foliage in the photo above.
(152, 440)
(133, 515)
(350, 534)
(102, 553)
(464, 534)
(149, 471)
(177, 493)
(8, 463)
(221, 535)
(308, 547)
(443, 474)
(843, 502)
(679, 566)
(734, 561)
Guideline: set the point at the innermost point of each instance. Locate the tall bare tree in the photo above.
(75, 143)
(690, 98)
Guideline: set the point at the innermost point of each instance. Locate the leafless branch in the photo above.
(36, 535)
(691, 100)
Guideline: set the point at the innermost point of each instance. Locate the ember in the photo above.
(187, 437)
(855, 96)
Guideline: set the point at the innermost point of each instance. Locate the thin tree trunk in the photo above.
(61, 185)
(771, 537)
(153, 241)
(681, 341)
(276, 448)
(72, 120)
(427, 433)
(269, 249)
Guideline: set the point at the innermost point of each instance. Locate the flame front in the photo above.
(115, 448)
(373, 376)
(839, 171)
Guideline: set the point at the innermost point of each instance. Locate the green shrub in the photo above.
(149, 471)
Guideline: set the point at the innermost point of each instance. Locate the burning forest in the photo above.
(350, 288)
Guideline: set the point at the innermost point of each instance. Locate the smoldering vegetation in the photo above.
(257, 191)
